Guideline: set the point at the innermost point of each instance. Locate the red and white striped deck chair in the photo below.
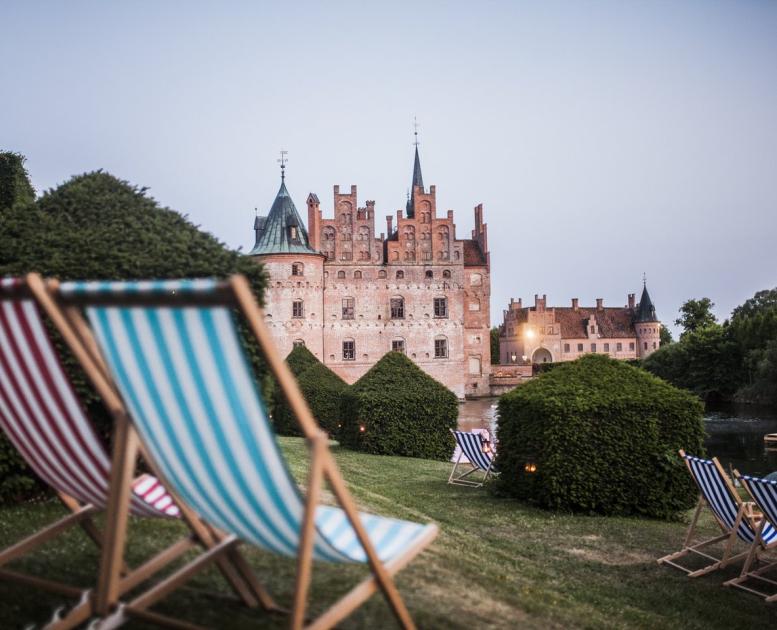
(44, 419)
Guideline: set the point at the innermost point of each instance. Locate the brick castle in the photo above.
(350, 296)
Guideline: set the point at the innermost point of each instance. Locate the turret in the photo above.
(646, 325)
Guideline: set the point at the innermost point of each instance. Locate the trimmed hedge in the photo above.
(398, 409)
(96, 226)
(322, 389)
(603, 436)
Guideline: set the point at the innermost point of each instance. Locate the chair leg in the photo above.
(455, 466)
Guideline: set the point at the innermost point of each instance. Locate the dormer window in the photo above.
(293, 233)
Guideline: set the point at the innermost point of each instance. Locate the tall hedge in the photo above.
(398, 409)
(15, 186)
(322, 389)
(96, 226)
(598, 435)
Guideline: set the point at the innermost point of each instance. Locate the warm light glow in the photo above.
(529, 333)
(530, 468)
(361, 428)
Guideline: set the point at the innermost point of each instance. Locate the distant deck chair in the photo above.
(733, 516)
(43, 418)
(764, 494)
(176, 356)
(471, 447)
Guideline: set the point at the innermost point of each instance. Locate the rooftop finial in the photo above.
(415, 131)
(644, 280)
(282, 161)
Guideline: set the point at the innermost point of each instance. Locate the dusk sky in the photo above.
(605, 139)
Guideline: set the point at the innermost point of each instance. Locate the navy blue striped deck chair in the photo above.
(471, 447)
(733, 516)
(176, 355)
(764, 495)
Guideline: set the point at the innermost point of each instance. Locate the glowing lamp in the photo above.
(361, 428)
(529, 334)
(530, 467)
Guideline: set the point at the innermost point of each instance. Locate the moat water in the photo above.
(735, 435)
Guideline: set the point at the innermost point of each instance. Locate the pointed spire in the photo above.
(418, 179)
(646, 311)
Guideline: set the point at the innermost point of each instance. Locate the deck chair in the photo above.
(764, 494)
(471, 447)
(45, 421)
(176, 356)
(733, 516)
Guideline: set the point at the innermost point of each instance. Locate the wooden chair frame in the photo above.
(236, 293)
(756, 548)
(114, 577)
(744, 512)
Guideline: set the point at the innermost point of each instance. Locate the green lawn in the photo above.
(496, 563)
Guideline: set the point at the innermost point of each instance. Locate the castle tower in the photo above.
(646, 325)
(295, 302)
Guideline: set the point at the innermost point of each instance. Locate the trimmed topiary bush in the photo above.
(96, 226)
(601, 436)
(322, 389)
(398, 409)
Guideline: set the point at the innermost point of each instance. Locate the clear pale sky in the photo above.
(605, 139)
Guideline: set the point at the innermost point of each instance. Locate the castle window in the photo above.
(299, 342)
(619, 347)
(397, 308)
(593, 329)
(329, 255)
(646, 345)
(654, 345)
(580, 347)
(441, 307)
(427, 255)
(400, 275)
(441, 348)
(446, 273)
(348, 307)
(357, 275)
(297, 309)
(398, 345)
(347, 256)
(593, 347)
(341, 275)
(329, 234)
(349, 350)
(631, 346)
(566, 347)
(430, 274)
(382, 273)
(297, 269)
(607, 347)
(293, 233)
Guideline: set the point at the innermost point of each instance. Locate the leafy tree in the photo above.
(665, 335)
(695, 314)
(15, 186)
(754, 327)
(495, 346)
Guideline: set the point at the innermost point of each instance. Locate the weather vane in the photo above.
(415, 130)
(644, 279)
(282, 162)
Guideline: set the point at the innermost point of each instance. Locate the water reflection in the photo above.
(734, 434)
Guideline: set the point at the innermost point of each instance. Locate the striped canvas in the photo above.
(764, 493)
(193, 398)
(42, 417)
(472, 447)
(718, 495)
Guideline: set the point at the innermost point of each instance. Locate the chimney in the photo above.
(314, 221)
(631, 300)
(574, 304)
(389, 224)
(599, 304)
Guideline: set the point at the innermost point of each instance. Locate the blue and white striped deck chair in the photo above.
(174, 351)
(471, 447)
(764, 495)
(733, 516)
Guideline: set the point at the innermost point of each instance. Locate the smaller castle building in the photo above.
(542, 334)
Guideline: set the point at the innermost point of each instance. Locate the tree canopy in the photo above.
(15, 186)
(696, 314)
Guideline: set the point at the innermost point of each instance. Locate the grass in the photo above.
(497, 563)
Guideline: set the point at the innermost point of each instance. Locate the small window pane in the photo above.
(348, 307)
(349, 350)
(297, 309)
(440, 348)
(441, 307)
(397, 308)
(398, 345)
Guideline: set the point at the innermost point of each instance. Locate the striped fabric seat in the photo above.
(194, 400)
(471, 445)
(723, 505)
(43, 418)
(764, 493)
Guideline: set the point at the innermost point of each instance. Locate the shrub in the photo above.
(322, 389)
(398, 409)
(604, 438)
(96, 226)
